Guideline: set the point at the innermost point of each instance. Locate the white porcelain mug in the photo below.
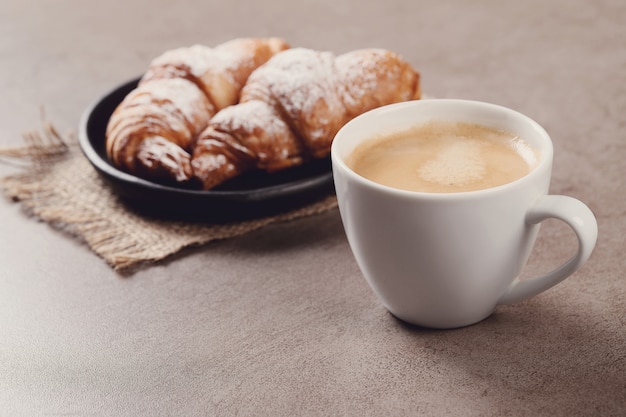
(446, 260)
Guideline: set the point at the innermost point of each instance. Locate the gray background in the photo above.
(280, 321)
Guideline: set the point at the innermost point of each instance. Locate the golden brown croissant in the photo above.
(292, 106)
(151, 133)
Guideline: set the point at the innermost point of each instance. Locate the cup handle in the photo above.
(580, 218)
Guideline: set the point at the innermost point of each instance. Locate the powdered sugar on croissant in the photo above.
(152, 132)
(220, 72)
(292, 106)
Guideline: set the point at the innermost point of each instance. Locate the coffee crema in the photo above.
(444, 157)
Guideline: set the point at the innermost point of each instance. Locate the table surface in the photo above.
(280, 321)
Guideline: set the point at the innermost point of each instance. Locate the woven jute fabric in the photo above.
(59, 186)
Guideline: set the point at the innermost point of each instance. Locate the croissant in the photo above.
(293, 105)
(152, 131)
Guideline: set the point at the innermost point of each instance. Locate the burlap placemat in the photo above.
(59, 186)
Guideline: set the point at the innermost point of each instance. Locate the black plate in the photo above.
(251, 195)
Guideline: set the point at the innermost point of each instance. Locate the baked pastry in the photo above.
(152, 131)
(293, 105)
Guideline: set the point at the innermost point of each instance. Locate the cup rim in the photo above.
(545, 154)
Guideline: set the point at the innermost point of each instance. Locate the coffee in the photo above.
(446, 260)
(444, 157)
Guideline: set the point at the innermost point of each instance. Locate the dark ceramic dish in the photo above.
(248, 196)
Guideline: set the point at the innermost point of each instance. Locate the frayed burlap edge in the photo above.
(58, 186)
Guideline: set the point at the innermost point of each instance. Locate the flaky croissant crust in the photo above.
(152, 131)
(292, 106)
(204, 115)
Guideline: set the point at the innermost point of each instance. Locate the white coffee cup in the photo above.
(446, 260)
